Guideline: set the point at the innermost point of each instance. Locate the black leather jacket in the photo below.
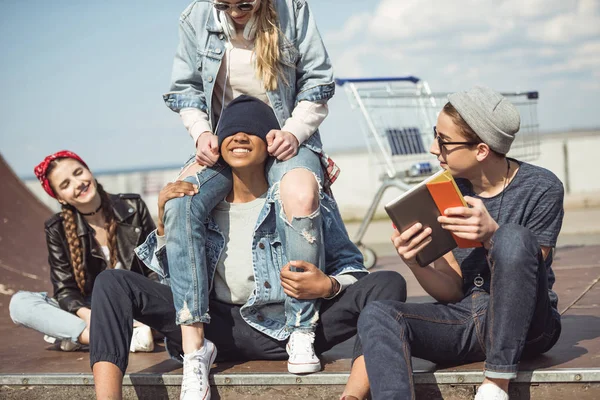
(134, 223)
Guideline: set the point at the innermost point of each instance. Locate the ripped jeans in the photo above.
(189, 261)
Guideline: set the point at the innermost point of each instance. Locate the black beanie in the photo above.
(249, 115)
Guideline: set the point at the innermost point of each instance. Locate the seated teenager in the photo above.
(93, 232)
(184, 220)
(495, 303)
(252, 286)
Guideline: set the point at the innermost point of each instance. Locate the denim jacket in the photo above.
(307, 70)
(264, 310)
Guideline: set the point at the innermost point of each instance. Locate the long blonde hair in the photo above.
(266, 45)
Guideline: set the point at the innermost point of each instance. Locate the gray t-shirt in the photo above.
(234, 277)
(533, 199)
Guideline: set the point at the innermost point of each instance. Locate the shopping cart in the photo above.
(398, 115)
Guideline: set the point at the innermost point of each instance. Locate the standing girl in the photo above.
(271, 50)
(93, 232)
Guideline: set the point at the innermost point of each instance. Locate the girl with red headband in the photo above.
(93, 232)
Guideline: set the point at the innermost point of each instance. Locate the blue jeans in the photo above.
(43, 314)
(514, 319)
(185, 230)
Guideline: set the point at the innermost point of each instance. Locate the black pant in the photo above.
(121, 296)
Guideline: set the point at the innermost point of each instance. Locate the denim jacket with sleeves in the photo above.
(264, 309)
(306, 67)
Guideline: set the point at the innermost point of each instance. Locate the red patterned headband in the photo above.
(41, 169)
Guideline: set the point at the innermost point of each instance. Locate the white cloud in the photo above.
(582, 20)
(544, 45)
(547, 52)
(353, 26)
(584, 57)
(536, 8)
(479, 31)
(350, 61)
(408, 19)
(589, 49)
(482, 39)
(469, 24)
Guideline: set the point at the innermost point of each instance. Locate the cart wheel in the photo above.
(369, 257)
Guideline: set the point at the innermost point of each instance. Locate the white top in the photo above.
(234, 277)
(106, 254)
(241, 79)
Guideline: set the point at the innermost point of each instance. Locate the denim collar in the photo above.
(212, 25)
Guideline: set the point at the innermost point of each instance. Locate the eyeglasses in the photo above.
(243, 7)
(441, 142)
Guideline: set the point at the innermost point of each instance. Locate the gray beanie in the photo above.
(493, 118)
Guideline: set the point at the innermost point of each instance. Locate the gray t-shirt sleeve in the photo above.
(546, 217)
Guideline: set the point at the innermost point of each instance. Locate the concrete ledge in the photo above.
(583, 384)
(518, 391)
(589, 375)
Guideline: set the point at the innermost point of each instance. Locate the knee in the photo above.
(376, 314)
(299, 191)
(176, 209)
(108, 283)
(21, 304)
(387, 285)
(513, 244)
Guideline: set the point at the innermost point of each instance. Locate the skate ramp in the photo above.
(23, 254)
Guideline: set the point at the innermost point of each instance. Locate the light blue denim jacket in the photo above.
(307, 70)
(264, 310)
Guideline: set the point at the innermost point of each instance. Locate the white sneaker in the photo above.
(142, 340)
(63, 344)
(195, 385)
(50, 339)
(303, 359)
(489, 391)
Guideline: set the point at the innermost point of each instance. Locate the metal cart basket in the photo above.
(398, 116)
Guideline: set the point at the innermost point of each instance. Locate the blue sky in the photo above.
(88, 76)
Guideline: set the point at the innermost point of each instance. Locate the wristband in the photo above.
(334, 288)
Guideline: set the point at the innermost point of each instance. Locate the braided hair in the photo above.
(75, 249)
(73, 240)
(110, 225)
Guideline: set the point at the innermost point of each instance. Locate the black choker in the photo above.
(92, 213)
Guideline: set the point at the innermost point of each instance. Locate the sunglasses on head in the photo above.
(244, 7)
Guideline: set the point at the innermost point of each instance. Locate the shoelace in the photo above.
(305, 339)
(192, 378)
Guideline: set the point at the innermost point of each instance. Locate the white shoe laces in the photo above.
(195, 373)
(302, 342)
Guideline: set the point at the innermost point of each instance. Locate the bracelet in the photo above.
(334, 288)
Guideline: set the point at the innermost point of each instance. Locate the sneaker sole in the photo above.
(303, 368)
